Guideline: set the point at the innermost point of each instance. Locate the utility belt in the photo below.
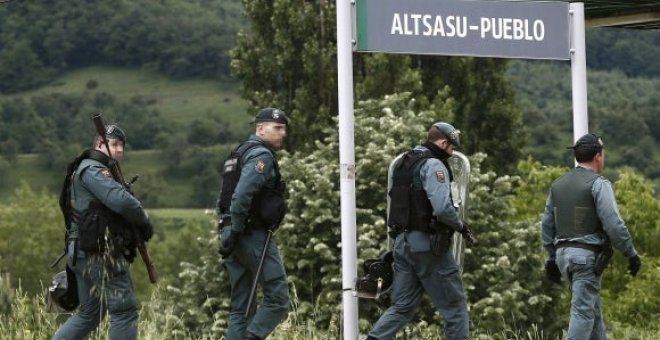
(573, 244)
(252, 223)
(603, 253)
(432, 227)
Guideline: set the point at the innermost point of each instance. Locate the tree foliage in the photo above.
(288, 59)
(38, 40)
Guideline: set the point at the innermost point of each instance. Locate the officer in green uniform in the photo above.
(102, 209)
(257, 206)
(422, 221)
(580, 221)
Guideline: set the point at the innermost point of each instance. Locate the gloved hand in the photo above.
(634, 263)
(228, 242)
(467, 234)
(552, 272)
(147, 231)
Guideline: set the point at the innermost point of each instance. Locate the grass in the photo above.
(176, 100)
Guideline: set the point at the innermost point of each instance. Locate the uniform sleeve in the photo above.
(548, 228)
(609, 216)
(435, 180)
(99, 182)
(257, 166)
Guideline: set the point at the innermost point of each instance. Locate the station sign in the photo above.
(508, 29)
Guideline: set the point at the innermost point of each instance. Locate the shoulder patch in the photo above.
(440, 176)
(106, 172)
(260, 166)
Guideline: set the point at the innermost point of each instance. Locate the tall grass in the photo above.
(27, 318)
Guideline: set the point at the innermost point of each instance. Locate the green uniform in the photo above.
(258, 173)
(104, 282)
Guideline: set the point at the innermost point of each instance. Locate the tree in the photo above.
(288, 59)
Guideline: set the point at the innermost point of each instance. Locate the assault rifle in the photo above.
(117, 175)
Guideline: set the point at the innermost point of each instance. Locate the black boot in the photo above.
(250, 336)
(371, 338)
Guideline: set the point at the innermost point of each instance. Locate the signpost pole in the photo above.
(347, 166)
(578, 70)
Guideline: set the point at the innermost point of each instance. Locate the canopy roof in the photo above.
(641, 14)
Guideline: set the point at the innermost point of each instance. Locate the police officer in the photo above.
(581, 218)
(102, 210)
(256, 208)
(422, 257)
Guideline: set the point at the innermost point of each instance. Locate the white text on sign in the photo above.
(413, 24)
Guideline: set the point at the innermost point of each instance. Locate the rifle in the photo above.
(115, 170)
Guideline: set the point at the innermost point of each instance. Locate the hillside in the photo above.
(180, 105)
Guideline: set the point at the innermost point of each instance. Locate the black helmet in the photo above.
(450, 132)
(63, 291)
(378, 277)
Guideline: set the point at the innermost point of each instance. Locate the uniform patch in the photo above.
(440, 175)
(260, 166)
(106, 173)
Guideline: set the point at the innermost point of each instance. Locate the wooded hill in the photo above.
(167, 75)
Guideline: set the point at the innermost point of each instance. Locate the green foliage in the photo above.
(178, 38)
(620, 107)
(632, 51)
(287, 59)
(31, 236)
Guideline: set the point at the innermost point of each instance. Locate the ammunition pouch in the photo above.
(94, 223)
(102, 230)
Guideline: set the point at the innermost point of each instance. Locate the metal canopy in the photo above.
(640, 14)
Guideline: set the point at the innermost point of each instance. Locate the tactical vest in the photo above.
(574, 207)
(410, 207)
(91, 224)
(268, 205)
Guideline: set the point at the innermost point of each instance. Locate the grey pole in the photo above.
(578, 70)
(347, 166)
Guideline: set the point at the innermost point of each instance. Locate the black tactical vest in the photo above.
(410, 207)
(99, 228)
(574, 207)
(268, 205)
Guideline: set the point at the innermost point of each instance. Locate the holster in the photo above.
(441, 241)
(603, 259)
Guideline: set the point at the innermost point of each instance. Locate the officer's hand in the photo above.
(467, 234)
(147, 231)
(634, 263)
(552, 272)
(229, 240)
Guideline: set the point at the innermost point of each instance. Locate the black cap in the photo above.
(270, 114)
(115, 132)
(588, 141)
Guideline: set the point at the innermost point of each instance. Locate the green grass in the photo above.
(186, 214)
(177, 100)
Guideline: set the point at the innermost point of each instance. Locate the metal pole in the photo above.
(578, 70)
(347, 166)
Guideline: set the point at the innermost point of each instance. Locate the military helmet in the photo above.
(63, 291)
(450, 132)
(378, 277)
